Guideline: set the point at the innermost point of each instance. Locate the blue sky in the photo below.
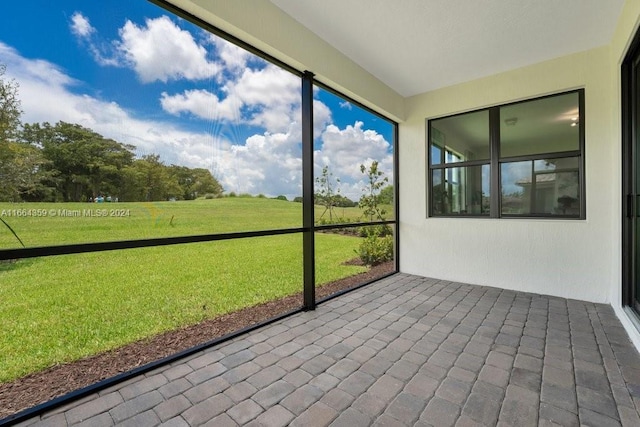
(132, 72)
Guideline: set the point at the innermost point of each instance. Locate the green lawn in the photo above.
(64, 223)
(58, 309)
(42, 224)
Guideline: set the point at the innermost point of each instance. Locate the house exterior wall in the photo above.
(567, 258)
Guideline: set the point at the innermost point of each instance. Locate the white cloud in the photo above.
(80, 25)
(348, 148)
(347, 105)
(233, 57)
(270, 164)
(160, 50)
(203, 104)
(267, 97)
(344, 150)
(321, 117)
(103, 53)
(273, 95)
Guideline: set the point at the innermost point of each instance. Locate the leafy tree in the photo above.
(23, 173)
(10, 107)
(132, 181)
(148, 179)
(195, 182)
(328, 191)
(22, 167)
(344, 202)
(370, 199)
(83, 163)
(386, 195)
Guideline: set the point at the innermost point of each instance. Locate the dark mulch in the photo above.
(43, 386)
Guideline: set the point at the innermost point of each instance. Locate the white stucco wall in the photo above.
(565, 258)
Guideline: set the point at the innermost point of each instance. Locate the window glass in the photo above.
(539, 145)
(461, 190)
(547, 125)
(541, 187)
(460, 138)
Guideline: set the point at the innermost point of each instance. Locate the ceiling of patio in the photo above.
(415, 46)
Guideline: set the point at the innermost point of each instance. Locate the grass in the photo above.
(43, 224)
(59, 309)
(65, 223)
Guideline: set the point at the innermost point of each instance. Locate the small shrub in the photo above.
(332, 221)
(375, 249)
(232, 194)
(381, 230)
(209, 196)
(281, 197)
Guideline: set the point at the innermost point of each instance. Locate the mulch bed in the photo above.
(43, 386)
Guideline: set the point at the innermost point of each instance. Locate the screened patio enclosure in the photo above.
(497, 142)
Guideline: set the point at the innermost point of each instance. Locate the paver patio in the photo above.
(403, 351)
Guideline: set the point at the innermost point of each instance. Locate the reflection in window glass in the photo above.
(460, 138)
(461, 190)
(549, 187)
(537, 146)
(353, 162)
(146, 117)
(547, 125)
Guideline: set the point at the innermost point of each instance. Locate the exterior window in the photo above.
(518, 160)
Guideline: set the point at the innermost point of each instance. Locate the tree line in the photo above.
(71, 163)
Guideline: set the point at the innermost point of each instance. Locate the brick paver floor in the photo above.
(403, 351)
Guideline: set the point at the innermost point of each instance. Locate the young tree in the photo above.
(370, 199)
(328, 191)
(377, 245)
